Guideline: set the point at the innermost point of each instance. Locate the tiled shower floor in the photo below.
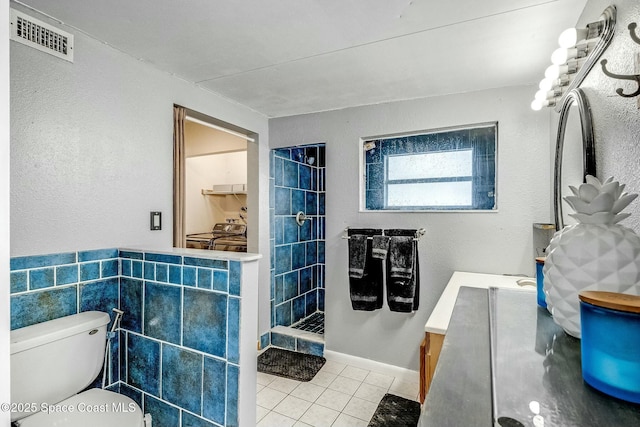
(313, 323)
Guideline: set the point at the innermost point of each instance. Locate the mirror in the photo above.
(575, 152)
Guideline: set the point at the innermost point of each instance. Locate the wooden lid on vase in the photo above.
(612, 300)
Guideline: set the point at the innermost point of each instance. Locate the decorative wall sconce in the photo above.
(579, 50)
(632, 77)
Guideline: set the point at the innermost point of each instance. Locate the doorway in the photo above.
(214, 187)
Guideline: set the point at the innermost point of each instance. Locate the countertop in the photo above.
(438, 322)
(460, 393)
(504, 362)
(200, 253)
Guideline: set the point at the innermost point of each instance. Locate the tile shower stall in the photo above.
(297, 178)
(180, 352)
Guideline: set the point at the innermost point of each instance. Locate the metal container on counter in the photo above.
(542, 301)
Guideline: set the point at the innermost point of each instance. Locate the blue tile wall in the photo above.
(36, 307)
(234, 278)
(297, 179)
(143, 364)
(45, 277)
(291, 174)
(297, 344)
(88, 271)
(205, 276)
(31, 262)
(283, 313)
(98, 295)
(114, 363)
(162, 311)
(189, 276)
(18, 281)
(265, 340)
(283, 341)
(233, 374)
(214, 388)
(310, 347)
(283, 259)
(131, 392)
(191, 308)
(45, 287)
(178, 348)
(98, 254)
(182, 377)
(189, 420)
(131, 303)
(220, 280)
(67, 274)
(205, 321)
(162, 414)
(233, 331)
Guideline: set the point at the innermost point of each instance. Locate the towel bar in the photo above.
(419, 233)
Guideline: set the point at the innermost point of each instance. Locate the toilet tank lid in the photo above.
(42, 333)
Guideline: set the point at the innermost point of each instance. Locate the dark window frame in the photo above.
(481, 138)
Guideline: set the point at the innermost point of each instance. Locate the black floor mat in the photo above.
(290, 364)
(396, 411)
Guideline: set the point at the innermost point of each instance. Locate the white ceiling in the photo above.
(287, 57)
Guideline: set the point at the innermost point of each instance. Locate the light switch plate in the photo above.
(156, 220)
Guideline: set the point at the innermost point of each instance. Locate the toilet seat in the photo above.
(94, 407)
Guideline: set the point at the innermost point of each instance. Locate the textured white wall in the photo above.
(616, 120)
(92, 152)
(92, 149)
(497, 242)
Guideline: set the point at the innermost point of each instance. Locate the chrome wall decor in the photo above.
(631, 77)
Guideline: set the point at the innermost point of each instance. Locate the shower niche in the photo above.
(297, 200)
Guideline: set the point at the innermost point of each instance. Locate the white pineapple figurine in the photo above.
(597, 253)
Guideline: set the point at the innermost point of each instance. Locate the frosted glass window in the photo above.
(443, 164)
(430, 194)
(452, 169)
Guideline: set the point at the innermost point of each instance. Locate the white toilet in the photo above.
(54, 360)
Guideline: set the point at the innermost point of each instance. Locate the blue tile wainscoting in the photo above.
(179, 351)
(292, 342)
(298, 344)
(297, 177)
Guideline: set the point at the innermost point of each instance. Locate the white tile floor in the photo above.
(339, 395)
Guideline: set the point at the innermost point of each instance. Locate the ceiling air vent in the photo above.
(41, 36)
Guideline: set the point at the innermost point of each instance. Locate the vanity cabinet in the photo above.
(429, 354)
(438, 322)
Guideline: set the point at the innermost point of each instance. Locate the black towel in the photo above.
(380, 246)
(358, 244)
(366, 292)
(403, 273)
(401, 257)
